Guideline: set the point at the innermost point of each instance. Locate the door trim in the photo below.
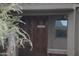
(57, 51)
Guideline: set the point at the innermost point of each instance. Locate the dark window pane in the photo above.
(61, 33)
(61, 28)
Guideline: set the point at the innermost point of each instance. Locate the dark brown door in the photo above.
(37, 28)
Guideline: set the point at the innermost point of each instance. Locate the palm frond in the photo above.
(9, 23)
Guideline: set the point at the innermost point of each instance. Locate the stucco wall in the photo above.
(71, 34)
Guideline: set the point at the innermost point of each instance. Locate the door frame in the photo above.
(71, 19)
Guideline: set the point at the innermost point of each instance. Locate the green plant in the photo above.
(10, 23)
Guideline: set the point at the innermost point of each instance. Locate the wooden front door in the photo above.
(38, 31)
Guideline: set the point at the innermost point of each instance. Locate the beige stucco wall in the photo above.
(71, 34)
